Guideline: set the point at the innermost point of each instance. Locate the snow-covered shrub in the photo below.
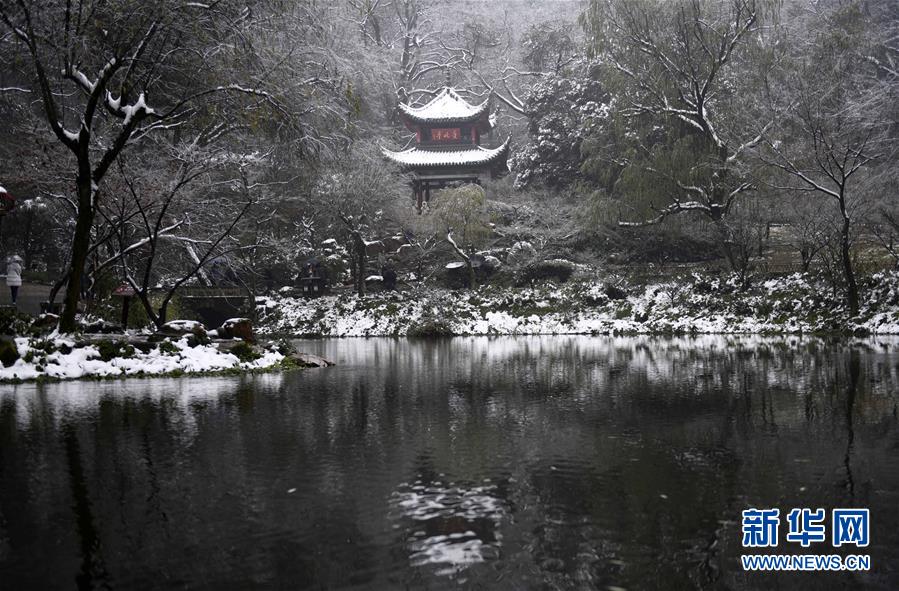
(167, 347)
(13, 322)
(430, 327)
(538, 272)
(8, 352)
(110, 350)
(522, 252)
(614, 292)
(245, 352)
(563, 109)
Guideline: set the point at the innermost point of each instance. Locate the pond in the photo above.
(480, 463)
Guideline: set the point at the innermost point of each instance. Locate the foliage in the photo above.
(563, 108)
(109, 349)
(430, 328)
(167, 347)
(539, 272)
(461, 210)
(245, 352)
(13, 322)
(686, 78)
(8, 352)
(197, 338)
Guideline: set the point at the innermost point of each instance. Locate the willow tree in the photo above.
(681, 76)
(459, 213)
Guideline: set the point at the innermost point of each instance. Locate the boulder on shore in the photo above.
(176, 329)
(309, 360)
(236, 328)
(44, 323)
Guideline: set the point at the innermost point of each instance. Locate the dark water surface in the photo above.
(481, 463)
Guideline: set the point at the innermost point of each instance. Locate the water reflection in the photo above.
(450, 525)
(502, 463)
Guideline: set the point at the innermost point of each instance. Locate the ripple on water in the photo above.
(449, 525)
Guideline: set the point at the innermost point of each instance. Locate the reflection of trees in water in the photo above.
(93, 569)
(851, 387)
(613, 461)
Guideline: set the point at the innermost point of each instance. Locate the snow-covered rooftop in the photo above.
(475, 155)
(446, 106)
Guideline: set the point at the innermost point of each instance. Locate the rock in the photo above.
(492, 263)
(521, 253)
(374, 283)
(236, 328)
(178, 328)
(309, 360)
(45, 323)
(99, 326)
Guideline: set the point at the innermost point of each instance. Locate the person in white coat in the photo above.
(14, 275)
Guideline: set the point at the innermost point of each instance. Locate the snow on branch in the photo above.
(674, 208)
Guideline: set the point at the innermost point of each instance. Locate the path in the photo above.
(30, 296)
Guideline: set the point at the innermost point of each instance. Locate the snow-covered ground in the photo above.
(65, 358)
(786, 305)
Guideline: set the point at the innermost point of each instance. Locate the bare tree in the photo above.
(147, 68)
(830, 139)
(359, 191)
(170, 224)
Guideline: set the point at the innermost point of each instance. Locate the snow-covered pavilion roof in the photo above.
(473, 156)
(446, 106)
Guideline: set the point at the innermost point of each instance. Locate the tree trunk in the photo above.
(360, 262)
(144, 299)
(806, 257)
(162, 316)
(848, 272)
(738, 263)
(81, 243)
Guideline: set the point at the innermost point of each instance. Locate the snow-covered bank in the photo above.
(786, 305)
(66, 358)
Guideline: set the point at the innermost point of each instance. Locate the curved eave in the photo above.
(446, 107)
(416, 159)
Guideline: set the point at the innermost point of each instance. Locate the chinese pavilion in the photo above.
(448, 132)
